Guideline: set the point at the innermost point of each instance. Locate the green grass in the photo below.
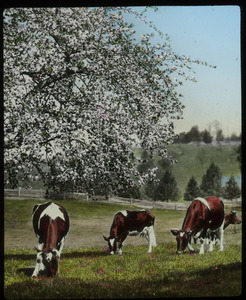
(92, 273)
(89, 272)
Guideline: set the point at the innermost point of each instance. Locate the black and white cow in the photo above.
(51, 225)
(131, 222)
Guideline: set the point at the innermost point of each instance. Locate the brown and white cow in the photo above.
(231, 218)
(51, 225)
(202, 215)
(213, 237)
(131, 222)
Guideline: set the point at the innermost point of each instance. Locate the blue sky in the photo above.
(211, 34)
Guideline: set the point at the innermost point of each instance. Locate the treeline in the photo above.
(194, 135)
(211, 185)
(165, 187)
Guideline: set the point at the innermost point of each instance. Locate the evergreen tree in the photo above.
(192, 190)
(232, 190)
(193, 135)
(167, 188)
(211, 181)
(206, 137)
(219, 136)
(239, 156)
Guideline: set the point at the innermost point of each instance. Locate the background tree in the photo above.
(239, 156)
(219, 136)
(232, 190)
(167, 188)
(192, 190)
(161, 165)
(206, 137)
(193, 135)
(80, 90)
(211, 181)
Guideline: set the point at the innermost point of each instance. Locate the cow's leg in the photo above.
(152, 235)
(121, 239)
(202, 246)
(211, 244)
(213, 237)
(221, 237)
(151, 238)
(191, 249)
(202, 239)
(40, 245)
(60, 248)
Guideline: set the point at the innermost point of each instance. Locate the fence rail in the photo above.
(23, 193)
(39, 194)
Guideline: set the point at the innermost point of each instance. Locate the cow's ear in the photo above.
(174, 231)
(106, 238)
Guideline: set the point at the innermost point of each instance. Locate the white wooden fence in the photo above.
(31, 194)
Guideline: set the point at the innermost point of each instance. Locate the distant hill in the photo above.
(195, 159)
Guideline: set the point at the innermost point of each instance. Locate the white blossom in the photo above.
(79, 93)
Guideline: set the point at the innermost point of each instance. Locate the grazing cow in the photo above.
(231, 218)
(51, 225)
(201, 215)
(214, 236)
(128, 222)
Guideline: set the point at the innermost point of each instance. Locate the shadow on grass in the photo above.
(199, 283)
(26, 271)
(73, 254)
(78, 254)
(20, 256)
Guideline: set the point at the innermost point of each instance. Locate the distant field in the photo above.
(194, 160)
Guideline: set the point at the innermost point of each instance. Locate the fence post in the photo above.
(41, 193)
(19, 189)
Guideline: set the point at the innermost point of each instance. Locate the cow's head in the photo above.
(111, 244)
(46, 263)
(233, 218)
(182, 238)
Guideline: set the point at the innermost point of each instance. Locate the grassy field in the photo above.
(92, 273)
(87, 271)
(194, 160)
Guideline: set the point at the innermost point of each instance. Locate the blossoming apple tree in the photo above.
(80, 90)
